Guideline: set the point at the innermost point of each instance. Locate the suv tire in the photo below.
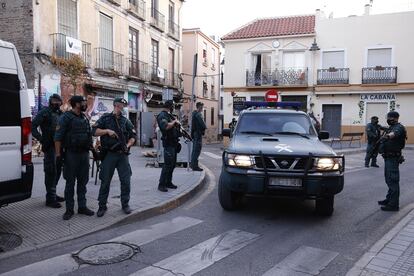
(229, 200)
(325, 206)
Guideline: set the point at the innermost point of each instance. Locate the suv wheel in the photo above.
(229, 200)
(325, 206)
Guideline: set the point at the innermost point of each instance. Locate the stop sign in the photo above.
(271, 95)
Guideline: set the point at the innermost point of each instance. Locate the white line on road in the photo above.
(65, 263)
(212, 155)
(303, 261)
(200, 256)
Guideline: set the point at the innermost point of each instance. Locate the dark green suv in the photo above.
(278, 153)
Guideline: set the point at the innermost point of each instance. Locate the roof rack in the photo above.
(260, 105)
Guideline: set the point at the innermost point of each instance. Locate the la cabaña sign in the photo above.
(378, 97)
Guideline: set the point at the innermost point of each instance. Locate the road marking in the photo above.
(303, 261)
(212, 155)
(200, 256)
(204, 195)
(65, 263)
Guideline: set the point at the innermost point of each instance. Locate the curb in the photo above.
(139, 214)
(402, 220)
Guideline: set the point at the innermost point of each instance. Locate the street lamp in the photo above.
(314, 46)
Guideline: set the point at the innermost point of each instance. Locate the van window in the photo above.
(10, 100)
(7, 59)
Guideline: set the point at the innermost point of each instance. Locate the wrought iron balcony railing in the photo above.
(137, 8)
(116, 2)
(157, 78)
(59, 49)
(278, 77)
(108, 60)
(174, 80)
(333, 76)
(157, 20)
(379, 75)
(137, 69)
(173, 30)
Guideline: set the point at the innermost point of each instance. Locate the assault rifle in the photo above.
(182, 130)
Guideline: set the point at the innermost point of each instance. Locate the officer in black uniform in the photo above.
(117, 137)
(47, 120)
(198, 128)
(373, 131)
(74, 133)
(390, 148)
(170, 141)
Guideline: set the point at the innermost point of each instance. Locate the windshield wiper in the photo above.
(256, 132)
(292, 133)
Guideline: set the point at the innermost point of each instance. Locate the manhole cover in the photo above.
(9, 241)
(106, 253)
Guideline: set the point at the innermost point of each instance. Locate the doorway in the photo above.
(332, 118)
(377, 109)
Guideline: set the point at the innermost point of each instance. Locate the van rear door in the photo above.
(10, 117)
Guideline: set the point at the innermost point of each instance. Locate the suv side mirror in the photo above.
(226, 132)
(323, 135)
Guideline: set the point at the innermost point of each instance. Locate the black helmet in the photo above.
(55, 96)
(76, 99)
(393, 114)
(168, 104)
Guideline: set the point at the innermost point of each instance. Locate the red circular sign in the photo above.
(271, 95)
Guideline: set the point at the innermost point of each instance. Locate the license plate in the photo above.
(287, 182)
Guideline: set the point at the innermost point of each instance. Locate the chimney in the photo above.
(367, 9)
(319, 14)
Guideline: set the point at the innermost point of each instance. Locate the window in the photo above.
(105, 32)
(205, 115)
(294, 60)
(154, 8)
(213, 88)
(205, 89)
(333, 59)
(154, 56)
(213, 57)
(171, 65)
(212, 116)
(257, 98)
(205, 52)
(222, 78)
(379, 57)
(133, 52)
(67, 17)
(221, 103)
(171, 12)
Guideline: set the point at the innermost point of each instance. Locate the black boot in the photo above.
(162, 189)
(383, 202)
(68, 214)
(390, 208)
(171, 186)
(101, 211)
(86, 211)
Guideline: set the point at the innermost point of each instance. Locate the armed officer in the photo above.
(390, 148)
(47, 120)
(117, 137)
(74, 134)
(198, 128)
(373, 131)
(168, 125)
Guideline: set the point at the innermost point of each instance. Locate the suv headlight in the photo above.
(328, 164)
(236, 160)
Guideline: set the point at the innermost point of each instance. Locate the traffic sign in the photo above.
(272, 95)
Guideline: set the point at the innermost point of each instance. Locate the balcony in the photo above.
(108, 60)
(116, 2)
(59, 49)
(333, 76)
(157, 20)
(173, 30)
(174, 80)
(379, 75)
(137, 69)
(137, 9)
(156, 77)
(278, 77)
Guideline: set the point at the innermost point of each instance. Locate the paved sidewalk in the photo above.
(392, 255)
(40, 226)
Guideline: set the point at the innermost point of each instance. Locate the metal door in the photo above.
(332, 118)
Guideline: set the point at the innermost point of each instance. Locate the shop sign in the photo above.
(378, 97)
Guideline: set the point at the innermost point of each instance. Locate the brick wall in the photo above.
(16, 21)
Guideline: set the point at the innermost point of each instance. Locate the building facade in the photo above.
(129, 48)
(268, 54)
(364, 69)
(207, 85)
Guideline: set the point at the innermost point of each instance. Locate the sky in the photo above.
(219, 17)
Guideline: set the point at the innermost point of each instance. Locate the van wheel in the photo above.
(325, 206)
(229, 200)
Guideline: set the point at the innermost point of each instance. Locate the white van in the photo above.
(16, 167)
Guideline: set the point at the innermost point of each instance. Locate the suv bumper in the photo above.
(19, 189)
(254, 182)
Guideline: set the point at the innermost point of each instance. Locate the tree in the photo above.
(72, 68)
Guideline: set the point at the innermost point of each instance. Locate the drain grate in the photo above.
(106, 253)
(9, 241)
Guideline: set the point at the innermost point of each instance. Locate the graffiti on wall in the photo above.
(50, 84)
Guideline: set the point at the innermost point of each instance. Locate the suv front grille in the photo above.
(281, 163)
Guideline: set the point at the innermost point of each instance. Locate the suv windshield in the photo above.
(275, 123)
